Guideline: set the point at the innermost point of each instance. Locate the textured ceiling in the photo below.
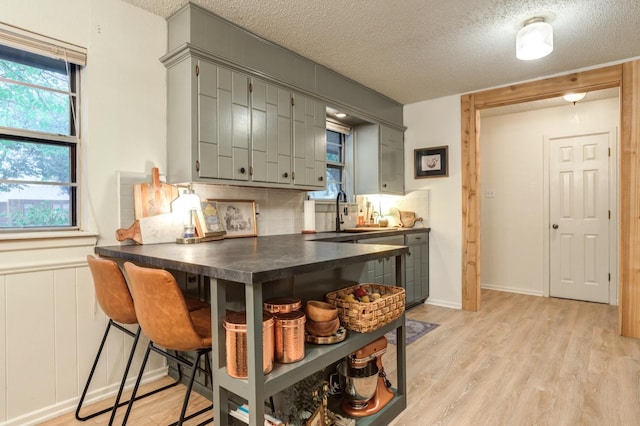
(415, 50)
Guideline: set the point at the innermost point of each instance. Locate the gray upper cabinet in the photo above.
(309, 130)
(270, 133)
(379, 160)
(227, 127)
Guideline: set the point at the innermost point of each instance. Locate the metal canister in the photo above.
(282, 304)
(289, 336)
(235, 325)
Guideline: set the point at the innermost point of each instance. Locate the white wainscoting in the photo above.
(51, 327)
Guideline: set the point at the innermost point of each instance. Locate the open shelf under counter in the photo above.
(316, 357)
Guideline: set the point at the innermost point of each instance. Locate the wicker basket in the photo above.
(364, 317)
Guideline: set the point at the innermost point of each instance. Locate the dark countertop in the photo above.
(260, 259)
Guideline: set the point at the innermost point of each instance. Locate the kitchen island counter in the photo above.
(256, 263)
(253, 260)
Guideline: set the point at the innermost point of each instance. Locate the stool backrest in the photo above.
(161, 309)
(112, 291)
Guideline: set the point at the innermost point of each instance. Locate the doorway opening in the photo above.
(626, 77)
(515, 198)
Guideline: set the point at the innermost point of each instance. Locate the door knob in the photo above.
(554, 226)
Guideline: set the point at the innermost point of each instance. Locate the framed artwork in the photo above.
(431, 162)
(238, 217)
(209, 222)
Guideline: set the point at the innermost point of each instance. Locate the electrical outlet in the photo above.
(490, 193)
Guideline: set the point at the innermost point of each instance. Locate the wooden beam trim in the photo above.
(602, 78)
(629, 288)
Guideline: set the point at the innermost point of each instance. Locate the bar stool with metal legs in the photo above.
(116, 302)
(165, 319)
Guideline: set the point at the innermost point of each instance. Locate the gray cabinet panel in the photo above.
(208, 108)
(382, 146)
(208, 160)
(417, 268)
(225, 124)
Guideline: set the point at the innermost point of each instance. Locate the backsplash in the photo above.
(281, 211)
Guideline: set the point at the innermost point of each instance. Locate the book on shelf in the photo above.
(242, 413)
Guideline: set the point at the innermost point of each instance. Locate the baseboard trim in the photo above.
(511, 290)
(443, 303)
(68, 406)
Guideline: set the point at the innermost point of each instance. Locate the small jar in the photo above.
(282, 304)
(237, 348)
(289, 336)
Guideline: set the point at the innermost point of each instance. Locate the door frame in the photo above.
(612, 182)
(626, 77)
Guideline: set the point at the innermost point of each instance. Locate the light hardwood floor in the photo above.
(521, 360)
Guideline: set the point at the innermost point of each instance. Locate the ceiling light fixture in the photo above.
(574, 97)
(340, 114)
(534, 40)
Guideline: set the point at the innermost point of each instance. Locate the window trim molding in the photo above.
(42, 45)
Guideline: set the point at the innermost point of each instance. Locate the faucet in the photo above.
(344, 200)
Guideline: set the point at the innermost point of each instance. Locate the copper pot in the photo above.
(289, 336)
(237, 347)
(282, 304)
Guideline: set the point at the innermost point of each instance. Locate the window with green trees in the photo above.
(38, 137)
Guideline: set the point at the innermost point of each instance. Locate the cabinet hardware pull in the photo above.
(242, 170)
(321, 178)
(286, 174)
(384, 185)
(197, 165)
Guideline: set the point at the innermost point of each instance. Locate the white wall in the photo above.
(50, 325)
(437, 123)
(512, 152)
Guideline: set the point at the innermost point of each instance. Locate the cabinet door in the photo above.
(233, 125)
(391, 161)
(207, 119)
(309, 142)
(410, 275)
(284, 111)
(269, 129)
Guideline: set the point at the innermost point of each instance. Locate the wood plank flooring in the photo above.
(521, 360)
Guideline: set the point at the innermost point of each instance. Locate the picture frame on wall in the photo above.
(238, 217)
(431, 162)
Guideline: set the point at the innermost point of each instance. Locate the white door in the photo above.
(579, 217)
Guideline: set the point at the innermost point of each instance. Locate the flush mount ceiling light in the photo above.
(534, 40)
(340, 114)
(574, 97)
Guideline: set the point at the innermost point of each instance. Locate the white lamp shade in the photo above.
(574, 97)
(534, 41)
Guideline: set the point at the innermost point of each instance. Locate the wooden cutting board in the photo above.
(162, 228)
(151, 199)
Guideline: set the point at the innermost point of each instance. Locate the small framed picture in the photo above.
(431, 162)
(238, 217)
(209, 223)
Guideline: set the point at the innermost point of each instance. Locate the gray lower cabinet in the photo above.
(416, 266)
(381, 271)
(225, 126)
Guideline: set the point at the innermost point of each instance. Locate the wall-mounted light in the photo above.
(574, 97)
(534, 40)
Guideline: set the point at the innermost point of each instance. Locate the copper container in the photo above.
(282, 304)
(237, 347)
(289, 336)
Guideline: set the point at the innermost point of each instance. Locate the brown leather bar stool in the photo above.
(116, 302)
(166, 320)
